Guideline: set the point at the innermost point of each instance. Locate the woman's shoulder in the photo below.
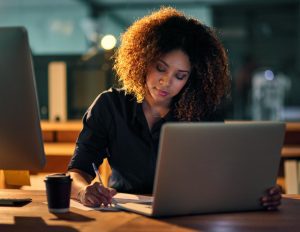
(113, 102)
(114, 96)
(115, 93)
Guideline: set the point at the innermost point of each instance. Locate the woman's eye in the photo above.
(180, 77)
(160, 68)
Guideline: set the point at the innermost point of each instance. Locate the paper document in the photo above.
(77, 205)
(119, 198)
(132, 198)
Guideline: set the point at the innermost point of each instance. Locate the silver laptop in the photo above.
(21, 142)
(213, 168)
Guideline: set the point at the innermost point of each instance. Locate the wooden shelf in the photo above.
(67, 149)
(293, 126)
(59, 149)
(60, 138)
(290, 151)
(75, 125)
(61, 131)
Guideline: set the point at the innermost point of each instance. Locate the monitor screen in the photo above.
(21, 142)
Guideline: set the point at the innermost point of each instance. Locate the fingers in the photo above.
(92, 200)
(95, 195)
(112, 192)
(271, 203)
(274, 190)
(272, 199)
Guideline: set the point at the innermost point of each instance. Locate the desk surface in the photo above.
(35, 217)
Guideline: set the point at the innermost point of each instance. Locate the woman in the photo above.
(171, 68)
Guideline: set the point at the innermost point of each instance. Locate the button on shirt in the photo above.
(115, 127)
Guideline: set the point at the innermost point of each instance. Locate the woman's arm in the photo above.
(80, 180)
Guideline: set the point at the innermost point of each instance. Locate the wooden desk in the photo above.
(35, 217)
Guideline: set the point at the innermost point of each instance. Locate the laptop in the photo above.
(213, 168)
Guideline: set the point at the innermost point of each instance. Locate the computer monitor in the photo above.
(21, 143)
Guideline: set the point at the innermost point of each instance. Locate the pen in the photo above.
(99, 178)
(97, 173)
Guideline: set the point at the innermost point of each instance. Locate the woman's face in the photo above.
(167, 76)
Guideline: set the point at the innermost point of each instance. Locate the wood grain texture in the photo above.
(35, 217)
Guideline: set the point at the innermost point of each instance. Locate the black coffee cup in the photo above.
(58, 188)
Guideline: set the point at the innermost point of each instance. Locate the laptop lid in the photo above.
(215, 167)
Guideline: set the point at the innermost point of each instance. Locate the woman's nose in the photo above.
(165, 80)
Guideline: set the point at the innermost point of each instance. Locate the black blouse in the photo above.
(115, 127)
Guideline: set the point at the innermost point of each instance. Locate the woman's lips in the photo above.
(162, 93)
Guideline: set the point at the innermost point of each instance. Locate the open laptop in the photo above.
(213, 168)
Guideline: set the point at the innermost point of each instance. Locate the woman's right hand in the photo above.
(95, 194)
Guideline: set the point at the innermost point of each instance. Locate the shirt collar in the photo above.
(137, 111)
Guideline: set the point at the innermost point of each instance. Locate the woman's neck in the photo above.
(155, 109)
(153, 112)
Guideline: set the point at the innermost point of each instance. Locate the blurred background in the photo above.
(72, 42)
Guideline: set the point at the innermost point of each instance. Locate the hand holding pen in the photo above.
(111, 200)
(96, 194)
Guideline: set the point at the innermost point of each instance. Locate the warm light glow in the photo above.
(108, 42)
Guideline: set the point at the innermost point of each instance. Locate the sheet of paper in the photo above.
(132, 198)
(119, 198)
(78, 205)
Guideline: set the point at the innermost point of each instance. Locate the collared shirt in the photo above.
(115, 127)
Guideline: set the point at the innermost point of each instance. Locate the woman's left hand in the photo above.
(272, 199)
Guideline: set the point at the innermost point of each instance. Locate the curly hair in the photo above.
(167, 29)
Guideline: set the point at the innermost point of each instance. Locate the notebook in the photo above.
(213, 168)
